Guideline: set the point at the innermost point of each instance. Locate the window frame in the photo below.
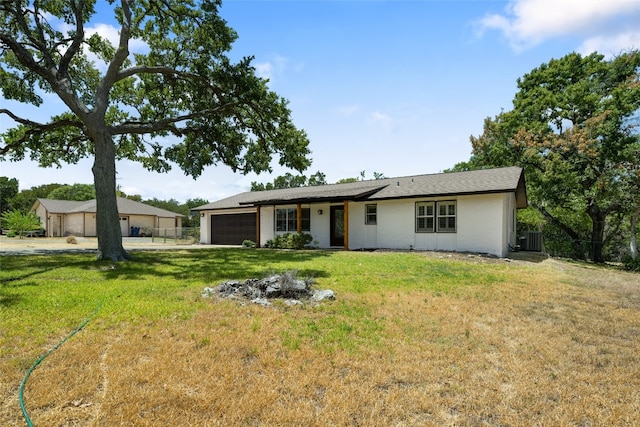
(371, 218)
(428, 218)
(438, 221)
(448, 216)
(286, 220)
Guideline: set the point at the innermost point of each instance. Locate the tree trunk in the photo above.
(597, 235)
(107, 217)
(578, 251)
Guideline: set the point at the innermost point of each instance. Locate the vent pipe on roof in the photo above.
(398, 184)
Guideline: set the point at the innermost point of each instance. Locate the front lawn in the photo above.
(412, 339)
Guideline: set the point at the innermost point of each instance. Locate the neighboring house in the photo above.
(73, 218)
(471, 211)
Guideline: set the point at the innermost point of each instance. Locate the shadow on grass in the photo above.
(7, 300)
(14, 271)
(183, 264)
(214, 264)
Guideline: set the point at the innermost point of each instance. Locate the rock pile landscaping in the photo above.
(285, 286)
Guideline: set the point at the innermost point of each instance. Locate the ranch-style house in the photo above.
(72, 218)
(472, 211)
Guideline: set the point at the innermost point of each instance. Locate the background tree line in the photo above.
(11, 199)
(289, 180)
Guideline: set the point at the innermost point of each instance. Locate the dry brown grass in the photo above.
(560, 345)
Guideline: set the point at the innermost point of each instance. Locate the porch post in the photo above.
(346, 225)
(258, 226)
(299, 218)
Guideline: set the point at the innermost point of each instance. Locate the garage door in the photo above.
(233, 229)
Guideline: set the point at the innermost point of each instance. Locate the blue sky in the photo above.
(381, 86)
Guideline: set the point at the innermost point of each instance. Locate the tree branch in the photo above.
(570, 232)
(76, 41)
(121, 54)
(39, 43)
(35, 128)
(153, 69)
(168, 124)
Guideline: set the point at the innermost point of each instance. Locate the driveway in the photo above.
(44, 245)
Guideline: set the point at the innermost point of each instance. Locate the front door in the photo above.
(337, 226)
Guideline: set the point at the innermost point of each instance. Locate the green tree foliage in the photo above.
(362, 177)
(8, 190)
(24, 200)
(179, 101)
(78, 192)
(573, 128)
(18, 222)
(193, 220)
(181, 208)
(290, 181)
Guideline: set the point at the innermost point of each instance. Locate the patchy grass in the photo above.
(413, 339)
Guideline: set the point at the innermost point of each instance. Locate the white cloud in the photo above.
(611, 46)
(527, 23)
(264, 70)
(108, 32)
(273, 68)
(112, 34)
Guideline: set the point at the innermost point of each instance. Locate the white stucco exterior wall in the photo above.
(484, 223)
(205, 225)
(267, 231)
(481, 225)
(321, 224)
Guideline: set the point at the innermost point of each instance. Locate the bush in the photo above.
(289, 241)
(248, 243)
(18, 222)
(630, 263)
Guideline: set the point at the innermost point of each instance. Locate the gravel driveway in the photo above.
(44, 245)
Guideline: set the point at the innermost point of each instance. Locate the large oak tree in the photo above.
(574, 128)
(179, 100)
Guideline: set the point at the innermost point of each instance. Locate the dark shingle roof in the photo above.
(125, 207)
(500, 180)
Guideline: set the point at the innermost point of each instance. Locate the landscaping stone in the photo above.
(259, 291)
(319, 294)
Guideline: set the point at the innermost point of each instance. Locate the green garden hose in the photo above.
(44, 356)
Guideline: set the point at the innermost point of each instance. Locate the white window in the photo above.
(425, 216)
(371, 214)
(447, 216)
(287, 220)
(436, 217)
